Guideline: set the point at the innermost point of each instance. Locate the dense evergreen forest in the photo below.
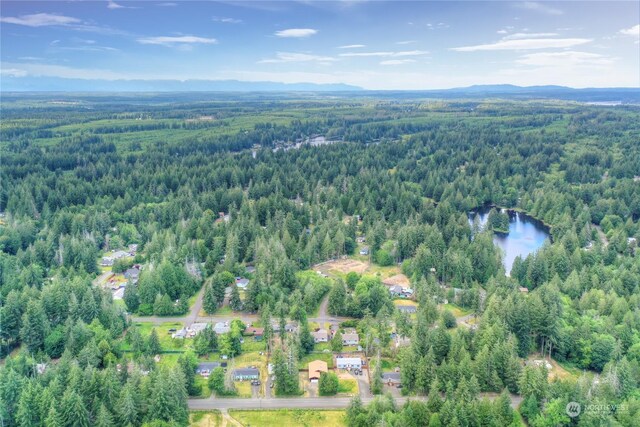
(221, 184)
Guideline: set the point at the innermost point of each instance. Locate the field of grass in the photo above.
(167, 343)
(243, 388)
(456, 310)
(326, 357)
(404, 302)
(347, 386)
(205, 419)
(288, 417)
(387, 364)
(204, 386)
(251, 345)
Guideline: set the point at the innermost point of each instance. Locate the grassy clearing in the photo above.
(456, 310)
(243, 388)
(204, 386)
(288, 417)
(387, 364)
(404, 302)
(347, 387)
(325, 357)
(205, 419)
(167, 343)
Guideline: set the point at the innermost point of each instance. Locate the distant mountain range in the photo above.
(57, 84)
(507, 91)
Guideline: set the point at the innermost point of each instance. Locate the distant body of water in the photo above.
(526, 235)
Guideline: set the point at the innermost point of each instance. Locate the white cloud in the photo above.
(518, 36)
(13, 72)
(386, 54)
(438, 26)
(633, 31)
(176, 40)
(352, 46)
(113, 5)
(524, 44)
(502, 31)
(397, 61)
(403, 42)
(40, 20)
(297, 57)
(564, 59)
(167, 4)
(226, 20)
(48, 70)
(296, 32)
(539, 7)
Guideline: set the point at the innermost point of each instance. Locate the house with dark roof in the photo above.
(407, 308)
(205, 368)
(246, 374)
(391, 378)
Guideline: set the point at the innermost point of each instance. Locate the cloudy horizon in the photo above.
(371, 44)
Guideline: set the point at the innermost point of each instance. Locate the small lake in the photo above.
(526, 235)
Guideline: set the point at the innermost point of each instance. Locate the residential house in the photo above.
(196, 328)
(291, 327)
(350, 339)
(132, 273)
(180, 334)
(407, 308)
(320, 335)
(391, 378)
(316, 368)
(364, 251)
(256, 332)
(360, 239)
(396, 291)
(523, 290)
(205, 368)
(221, 328)
(246, 374)
(349, 363)
(107, 261)
(242, 282)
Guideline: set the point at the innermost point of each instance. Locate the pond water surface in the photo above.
(526, 235)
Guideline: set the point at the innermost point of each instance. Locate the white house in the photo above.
(320, 336)
(350, 339)
(221, 328)
(349, 363)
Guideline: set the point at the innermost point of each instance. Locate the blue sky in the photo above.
(372, 44)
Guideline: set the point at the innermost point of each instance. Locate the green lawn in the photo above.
(288, 417)
(204, 386)
(251, 345)
(167, 343)
(326, 357)
(243, 388)
(322, 346)
(387, 364)
(456, 310)
(205, 418)
(348, 386)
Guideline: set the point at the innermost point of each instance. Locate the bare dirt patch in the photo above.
(343, 266)
(397, 280)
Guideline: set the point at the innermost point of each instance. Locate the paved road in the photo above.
(303, 402)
